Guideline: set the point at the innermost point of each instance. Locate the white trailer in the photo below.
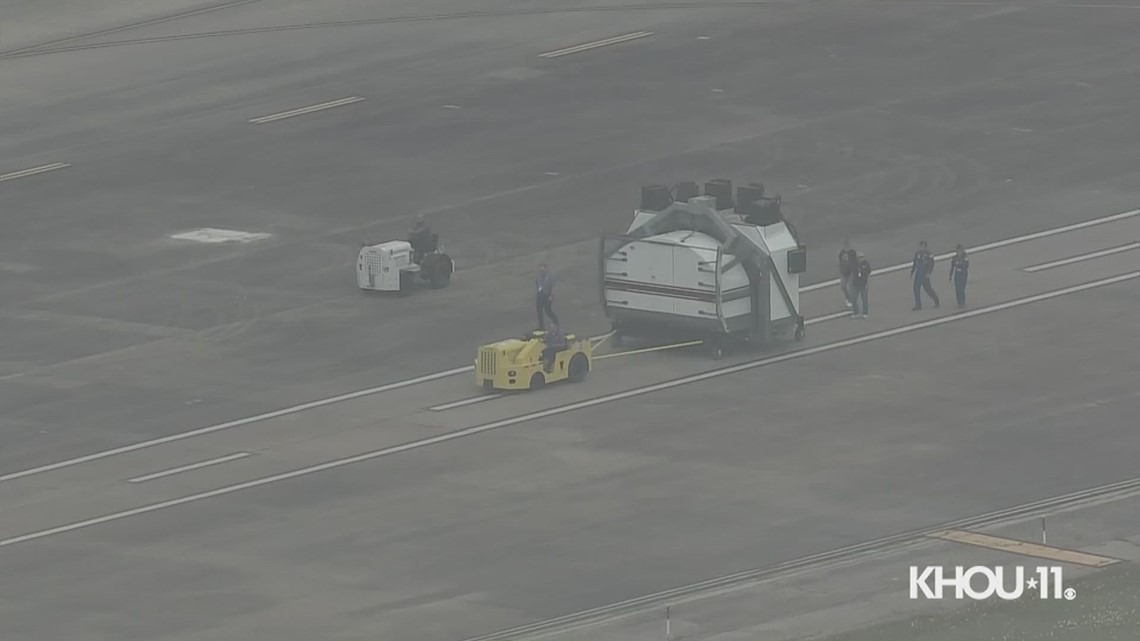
(391, 267)
(693, 269)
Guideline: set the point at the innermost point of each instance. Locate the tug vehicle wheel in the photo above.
(578, 368)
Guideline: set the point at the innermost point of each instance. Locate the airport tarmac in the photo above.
(229, 439)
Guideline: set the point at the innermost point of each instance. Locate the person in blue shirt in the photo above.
(848, 262)
(959, 273)
(860, 280)
(544, 296)
(920, 271)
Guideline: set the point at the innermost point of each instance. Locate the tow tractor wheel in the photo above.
(578, 368)
(537, 381)
(440, 269)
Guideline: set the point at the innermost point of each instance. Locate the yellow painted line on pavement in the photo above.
(1024, 548)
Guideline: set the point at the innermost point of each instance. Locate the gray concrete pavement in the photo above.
(388, 418)
(268, 184)
(885, 123)
(769, 475)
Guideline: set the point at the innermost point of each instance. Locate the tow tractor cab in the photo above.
(704, 266)
(516, 364)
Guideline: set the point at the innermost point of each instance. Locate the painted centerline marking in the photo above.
(995, 245)
(238, 423)
(563, 409)
(645, 350)
(23, 173)
(824, 319)
(1076, 259)
(1024, 548)
(594, 45)
(467, 401)
(462, 370)
(306, 110)
(187, 468)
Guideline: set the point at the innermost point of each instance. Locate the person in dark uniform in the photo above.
(420, 239)
(848, 261)
(555, 342)
(860, 280)
(544, 296)
(959, 273)
(920, 271)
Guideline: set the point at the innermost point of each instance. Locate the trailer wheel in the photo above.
(578, 368)
(538, 381)
(800, 333)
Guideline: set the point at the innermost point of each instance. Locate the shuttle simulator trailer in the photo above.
(704, 266)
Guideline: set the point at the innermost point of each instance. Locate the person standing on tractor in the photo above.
(544, 297)
(420, 238)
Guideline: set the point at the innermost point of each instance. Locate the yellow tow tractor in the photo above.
(516, 364)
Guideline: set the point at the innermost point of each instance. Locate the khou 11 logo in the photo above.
(1046, 582)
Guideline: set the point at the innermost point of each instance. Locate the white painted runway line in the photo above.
(890, 545)
(306, 110)
(462, 370)
(238, 423)
(828, 317)
(465, 402)
(657, 348)
(187, 468)
(594, 45)
(995, 245)
(563, 409)
(24, 173)
(1083, 257)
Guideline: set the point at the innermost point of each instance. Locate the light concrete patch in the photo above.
(213, 236)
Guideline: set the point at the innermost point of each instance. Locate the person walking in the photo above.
(860, 280)
(959, 273)
(544, 297)
(848, 261)
(920, 271)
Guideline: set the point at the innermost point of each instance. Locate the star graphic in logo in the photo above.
(1032, 583)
